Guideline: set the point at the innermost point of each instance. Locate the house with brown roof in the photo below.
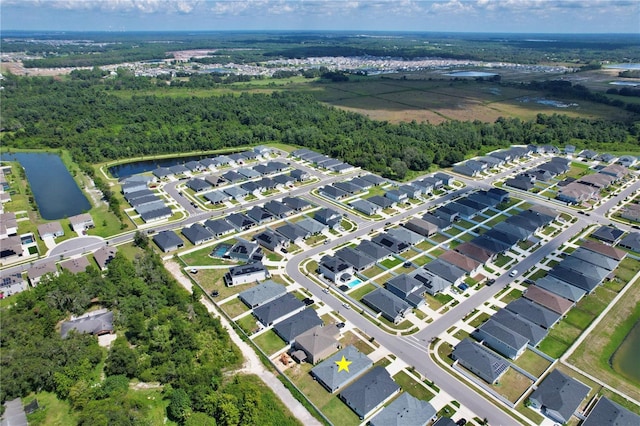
(75, 265)
(548, 299)
(80, 223)
(463, 262)
(475, 252)
(104, 255)
(36, 272)
(318, 343)
(50, 230)
(604, 249)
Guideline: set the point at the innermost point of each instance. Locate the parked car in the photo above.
(308, 301)
(513, 273)
(491, 281)
(346, 306)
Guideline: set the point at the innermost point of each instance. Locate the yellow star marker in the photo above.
(343, 364)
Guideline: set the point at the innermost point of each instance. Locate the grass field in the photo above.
(269, 342)
(532, 362)
(512, 384)
(412, 387)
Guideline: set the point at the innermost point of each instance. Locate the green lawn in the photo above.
(579, 318)
(234, 307)
(532, 362)
(390, 263)
(479, 320)
(373, 271)
(425, 245)
(496, 220)
(362, 290)
(248, 324)
(511, 296)
(512, 385)
(465, 224)
(413, 387)
(553, 347)
(269, 342)
(502, 260)
(627, 269)
(422, 260)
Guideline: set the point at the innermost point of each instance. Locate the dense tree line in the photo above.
(165, 336)
(89, 119)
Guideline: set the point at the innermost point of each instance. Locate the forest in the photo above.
(165, 335)
(100, 119)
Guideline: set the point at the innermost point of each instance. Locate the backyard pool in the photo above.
(354, 283)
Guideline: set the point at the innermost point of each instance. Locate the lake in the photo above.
(623, 66)
(625, 359)
(54, 190)
(143, 166)
(471, 74)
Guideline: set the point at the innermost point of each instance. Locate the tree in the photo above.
(141, 240)
(179, 408)
(122, 360)
(399, 169)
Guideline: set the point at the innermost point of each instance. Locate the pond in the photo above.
(143, 166)
(54, 190)
(625, 359)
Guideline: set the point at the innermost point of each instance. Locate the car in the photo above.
(463, 286)
(529, 281)
(326, 242)
(635, 226)
(325, 290)
(491, 281)
(346, 306)
(308, 301)
(407, 264)
(461, 422)
(340, 325)
(215, 293)
(387, 223)
(513, 273)
(193, 271)
(284, 250)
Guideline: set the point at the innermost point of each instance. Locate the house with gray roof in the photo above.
(561, 288)
(365, 207)
(147, 199)
(370, 392)
(491, 244)
(318, 342)
(604, 249)
(312, 226)
(50, 230)
(162, 172)
(104, 255)
(373, 250)
(168, 241)
(470, 168)
(586, 282)
(476, 206)
(293, 233)
(503, 237)
(607, 412)
(221, 160)
(421, 226)
(290, 328)
(198, 185)
(374, 179)
(263, 293)
(559, 396)
(244, 251)
(329, 217)
(197, 234)
(361, 183)
(259, 214)
(410, 191)
(441, 223)
(262, 169)
(594, 258)
(236, 193)
(432, 282)
(481, 197)
(521, 181)
(501, 339)
(390, 243)
(296, 203)
(532, 332)
(445, 213)
(14, 283)
(585, 268)
(271, 240)
(388, 304)
(233, 177)
(332, 192)
(130, 197)
(284, 180)
(533, 312)
(479, 360)
(215, 180)
(548, 299)
(252, 187)
(355, 258)
(631, 242)
(158, 213)
(405, 235)
(278, 209)
(327, 374)
(278, 309)
(407, 288)
(96, 323)
(135, 186)
(249, 173)
(445, 421)
(299, 175)
(491, 161)
(608, 234)
(240, 221)
(447, 271)
(218, 227)
(238, 158)
(521, 234)
(179, 169)
(425, 186)
(397, 196)
(335, 269)
(523, 221)
(347, 187)
(499, 194)
(444, 178)
(243, 274)
(405, 410)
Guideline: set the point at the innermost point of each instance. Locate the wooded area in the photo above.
(98, 120)
(165, 336)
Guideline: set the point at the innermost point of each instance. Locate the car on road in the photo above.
(340, 325)
(491, 281)
(513, 273)
(325, 290)
(346, 306)
(407, 264)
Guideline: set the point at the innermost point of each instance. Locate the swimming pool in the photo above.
(354, 283)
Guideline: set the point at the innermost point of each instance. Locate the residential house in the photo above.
(299, 175)
(75, 265)
(197, 234)
(374, 250)
(104, 255)
(388, 304)
(604, 249)
(249, 173)
(244, 251)
(491, 244)
(479, 360)
(447, 271)
(445, 213)
(162, 173)
(80, 223)
(240, 221)
(467, 264)
(11, 246)
(576, 193)
(318, 343)
(284, 180)
(631, 212)
(218, 227)
(597, 259)
(358, 260)
(332, 192)
(365, 207)
(501, 339)
(408, 288)
(521, 181)
(608, 234)
(576, 278)
(263, 293)
(397, 196)
(278, 309)
(631, 242)
(168, 241)
(558, 396)
(233, 177)
(421, 226)
(243, 274)
(405, 410)
(561, 288)
(330, 375)
(95, 323)
(627, 160)
(259, 214)
(215, 180)
(548, 299)
(50, 230)
(328, 217)
(446, 179)
(533, 312)
(385, 203)
(271, 240)
(532, 332)
(236, 193)
(335, 269)
(392, 244)
(373, 179)
(11, 284)
(198, 185)
(361, 183)
(410, 191)
(252, 188)
(347, 187)
(432, 282)
(178, 169)
(440, 223)
(607, 412)
(470, 168)
(499, 194)
(312, 226)
(475, 252)
(290, 328)
(406, 236)
(464, 211)
(296, 203)
(293, 233)
(370, 392)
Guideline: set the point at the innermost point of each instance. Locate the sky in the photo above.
(511, 16)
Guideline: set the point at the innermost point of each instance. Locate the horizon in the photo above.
(406, 16)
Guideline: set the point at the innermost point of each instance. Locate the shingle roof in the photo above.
(98, 322)
(197, 233)
(513, 340)
(167, 240)
(607, 233)
(460, 260)
(548, 299)
(475, 252)
(262, 293)
(296, 203)
(369, 391)
(390, 243)
(218, 226)
(406, 235)
(327, 371)
(480, 360)
(293, 326)
(405, 410)
(607, 412)
(318, 339)
(607, 250)
(355, 258)
(533, 332)
(390, 305)
(292, 232)
(373, 250)
(312, 226)
(631, 241)
(561, 288)
(560, 393)
(573, 277)
(282, 306)
(446, 270)
(533, 312)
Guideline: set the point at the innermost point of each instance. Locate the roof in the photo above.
(197, 233)
(332, 191)
(80, 219)
(292, 231)
(595, 258)
(327, 371)
(445, 270)
(50, 228)
(312, 226)
(249, 268)
(355, 258)
(405, 410)
(607, 234)
(512, 229)
(269, 239)
(334, 264)
(104, 255)
(240, 220)
(532, 332)
(432, 282)
(490, 244)
(75, 265)
(235, 191)
(548, 299)
(381, 201)
(390, 305)
(374, 179)
(437, 221)
(365, 206)
(503, 334)
(347, 187)
(296, 203)
(277, 208)
(500, 236)
(460, 260)
(218, 226)
(158, 213)
(575, 277)
(408, 287)
(198, 184)
(631, 241)
(475, 252)
(262, 293)
(560, 393)
(167, 240)
(480, 360)
(405, 235)
(97, 322)
(533, 312)
(326, 215)
(292, 327)
(390, 243)
(607, 412)
(282, 306)
(259, 214)
(421, 226)
(373, 250)
(561, 288)
(605, 249)
(369, 391)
